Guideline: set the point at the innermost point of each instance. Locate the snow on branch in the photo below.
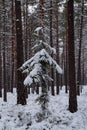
(33, 76)
(40, 45)
(41, 56)
(33, 67)
(38, 30)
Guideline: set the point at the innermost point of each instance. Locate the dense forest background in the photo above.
(61, 25)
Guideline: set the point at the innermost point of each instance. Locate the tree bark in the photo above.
(66, 54)
(3, 53)
(25, 15)
(21, 91)
(57, 46)
(71, 56)
(0, 69)
(80, 46)
(51, 43)
(13, 48)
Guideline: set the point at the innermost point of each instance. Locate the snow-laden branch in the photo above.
(33, 76)
(33, 67)
(41, 56)
(44, 45)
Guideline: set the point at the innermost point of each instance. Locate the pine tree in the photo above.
(80, 48)
(3, 54)
(51, 43)
(13, 46)
(36, 67)
(71, 58)
(0, 58)
(0, 71)
(21, 95)
(57, 45)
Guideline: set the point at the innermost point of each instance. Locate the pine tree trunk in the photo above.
(66, 55)
(51, 43)
(21, 93)
(71, 56)
(57, 46)
(13, 51)
(25, 15)
(80, 46)
(44, 95)
(0, 69)
(41, 2)
(3, 53)
(0, 58)
(83, 68)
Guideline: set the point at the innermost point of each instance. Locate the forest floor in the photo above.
(18, 117)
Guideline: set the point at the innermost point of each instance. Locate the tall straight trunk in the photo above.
(71, 57)
(25, 35)
(7, 60)
(0, 69)
(21, 93)
(26, 30)
(13, 51)
(3, 53)
(51, 43)
(44, 96)
(41, 2)
(66, 55)
(26, 38)
(57, 46)
(0, 59)
(24, 24)
(83, 60)
(29, 31)
(80, 46)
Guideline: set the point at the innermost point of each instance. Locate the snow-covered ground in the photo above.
(18, 117)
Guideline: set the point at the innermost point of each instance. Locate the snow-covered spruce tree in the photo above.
(36, 69)
(37, 66)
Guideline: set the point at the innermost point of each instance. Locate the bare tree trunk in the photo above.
(0, 69)
(57, 46)
(51, 43)
(21, 93)
(66, 55)
(25, 15)
(3, 53)
(13, 43)
(0, 58)
(71, 56)
(83, 68)
(80, 46)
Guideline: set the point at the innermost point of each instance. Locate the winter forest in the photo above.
(43, 65)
